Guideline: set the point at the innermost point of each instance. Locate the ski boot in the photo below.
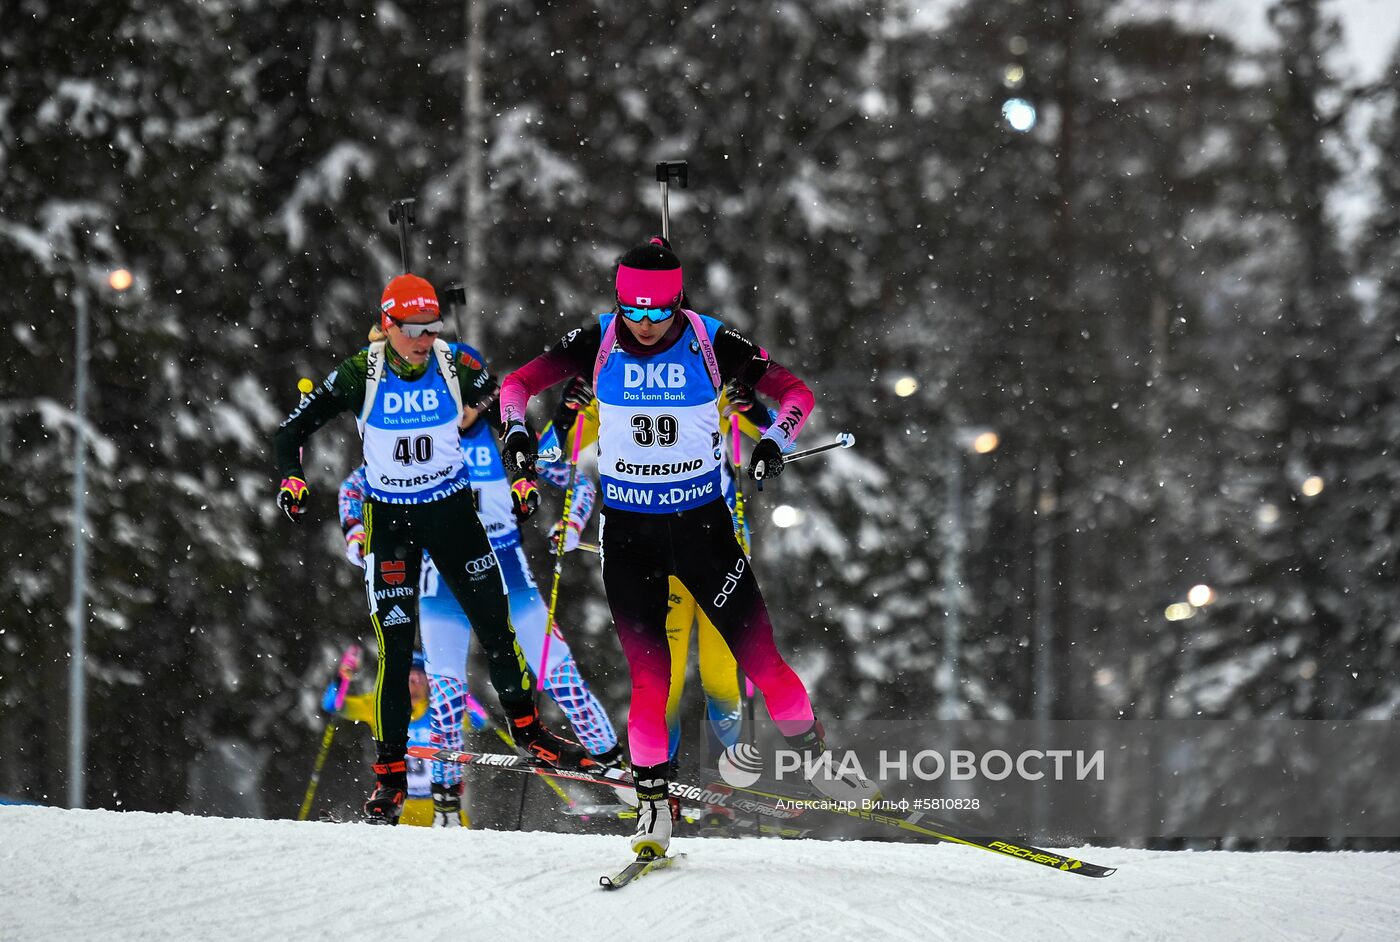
(652, 837)
(385, 803)
(824, 775)
(447, 806)
(531, 737)
(613, 758)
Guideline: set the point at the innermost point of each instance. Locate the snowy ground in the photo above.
(107, 875)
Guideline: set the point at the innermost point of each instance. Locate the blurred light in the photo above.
(906, 386)
(1312, 486)
(1019, 113)
(1103, 677)
(1017, 45)
(1308, 669)
(1200, 595)
(120, 279)
(986, 442)
(1267, 515)
(785, 515)
(1179, 611)
(1014, 76)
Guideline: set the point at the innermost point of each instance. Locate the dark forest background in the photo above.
(1173, 299)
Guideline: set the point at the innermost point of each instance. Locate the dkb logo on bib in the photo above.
(665, 375)
(415, 400)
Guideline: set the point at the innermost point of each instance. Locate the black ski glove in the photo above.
(519, 450)
(576, 397)
(741, 397)
(767, 460)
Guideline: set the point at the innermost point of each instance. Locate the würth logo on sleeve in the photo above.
(393, 573)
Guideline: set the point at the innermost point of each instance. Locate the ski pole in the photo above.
(750, 723)
(403, 215)
(559, 547)
(477, 712)
(553, 785)
(480, 718)
(550, 626)
(843, 440)
(349, 663)
(665, 171)
(304, 387)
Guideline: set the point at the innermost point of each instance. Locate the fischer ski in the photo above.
(917, 823)
(636, 870)
(778, 805)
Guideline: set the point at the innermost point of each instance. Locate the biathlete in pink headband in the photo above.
(657, 369)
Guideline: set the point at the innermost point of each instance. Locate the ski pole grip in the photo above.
(401, 213)
(678, 170)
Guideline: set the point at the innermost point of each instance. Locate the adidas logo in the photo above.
(396, 616)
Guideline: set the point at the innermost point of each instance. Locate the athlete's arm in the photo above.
(476, 384)
(343, 390)
(571, 356)
(741, 359)
(352, 500)
(475, 381)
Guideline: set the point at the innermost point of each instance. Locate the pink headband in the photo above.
(640, 287)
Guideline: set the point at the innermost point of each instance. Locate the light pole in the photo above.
(473, 160)
(77, 608)
(982, 442)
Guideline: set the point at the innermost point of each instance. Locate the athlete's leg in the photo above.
(719, 678)
(680, 616)
(446, 634)
(393, 561)
(560, 678)
(719, 575)
(636, 565)
(469, 568)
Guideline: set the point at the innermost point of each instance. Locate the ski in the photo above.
(613, 778)
(709, 823)
(781, 806)
(636, 870)
(917, 823)
(717, 795)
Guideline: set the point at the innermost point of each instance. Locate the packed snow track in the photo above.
(108, 875)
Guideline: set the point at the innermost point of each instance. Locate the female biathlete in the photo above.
(657, 369)
(719, 673)
(446, 630)
(408, 392)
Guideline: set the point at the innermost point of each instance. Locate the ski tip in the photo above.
(644, 864)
